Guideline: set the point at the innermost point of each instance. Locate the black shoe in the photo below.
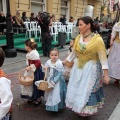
(30, 101)
(37, 102)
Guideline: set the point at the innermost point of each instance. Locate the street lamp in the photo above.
(10, 51)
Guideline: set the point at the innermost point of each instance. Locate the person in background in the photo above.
(2, 21)
(53, 18)
(24, 18)
(114, 54)
(97, 19)
(6, 96)
(38, 16)
(32, 18)
(106, 24)
(18, 21)
(63, 19)
(45, 21)
(97, 27)
(71, 19)
(68, 68)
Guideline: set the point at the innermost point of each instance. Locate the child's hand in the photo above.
(45, 68)
(28, 68)
(64, 61)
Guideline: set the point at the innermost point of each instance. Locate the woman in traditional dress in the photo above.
(84, 93)
(114, 55)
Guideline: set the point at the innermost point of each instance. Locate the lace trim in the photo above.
(91, 110)
(81, 101)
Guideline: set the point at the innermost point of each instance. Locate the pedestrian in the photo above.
(34, 63)
(2, 21)
(71, 45)
(84, 92)
(71, 19)
(114, 54)
(24, 18)
(6, 96)
(32, 18)
(68, 65)
(53, 18)
(63, 19)
(55, 99)
(45, 21)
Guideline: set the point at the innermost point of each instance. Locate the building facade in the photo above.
(75, 8)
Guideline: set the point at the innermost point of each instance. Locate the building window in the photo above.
(38, 5)
(65, 5)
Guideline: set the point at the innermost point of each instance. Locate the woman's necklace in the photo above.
(87, 35)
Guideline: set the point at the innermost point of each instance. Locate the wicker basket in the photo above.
(26, 80)
(44, 84)
(69, 64)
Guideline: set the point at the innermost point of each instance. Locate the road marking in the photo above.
(116, 113)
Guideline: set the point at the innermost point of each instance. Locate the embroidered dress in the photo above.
(84, 92)
(114, 55)
(55, 99)
(33, 60)
(6, 97)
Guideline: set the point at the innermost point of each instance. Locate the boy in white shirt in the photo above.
(6, 96)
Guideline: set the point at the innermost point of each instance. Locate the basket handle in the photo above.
(22, 70)
(45, 74)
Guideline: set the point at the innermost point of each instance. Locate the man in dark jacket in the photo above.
(45, 22)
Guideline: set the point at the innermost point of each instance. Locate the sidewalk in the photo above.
(24, 111)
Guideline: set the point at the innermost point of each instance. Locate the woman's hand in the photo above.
(28, 68)
(111, 43)
(106, 79)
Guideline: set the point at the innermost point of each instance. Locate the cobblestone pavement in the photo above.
(24, 111)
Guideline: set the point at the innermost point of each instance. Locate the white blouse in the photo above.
(33, 55)
(6, 96)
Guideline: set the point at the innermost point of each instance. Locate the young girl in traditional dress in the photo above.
(6, 96)
(55, 99)
(33, 62)
(68, 68)
(71, 45)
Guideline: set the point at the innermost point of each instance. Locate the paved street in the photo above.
(24, 111)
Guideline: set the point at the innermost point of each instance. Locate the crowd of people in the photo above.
(89, 69)
(18, 21)
(19, 26)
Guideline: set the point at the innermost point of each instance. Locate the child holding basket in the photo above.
(33, 62)
(55, 99)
